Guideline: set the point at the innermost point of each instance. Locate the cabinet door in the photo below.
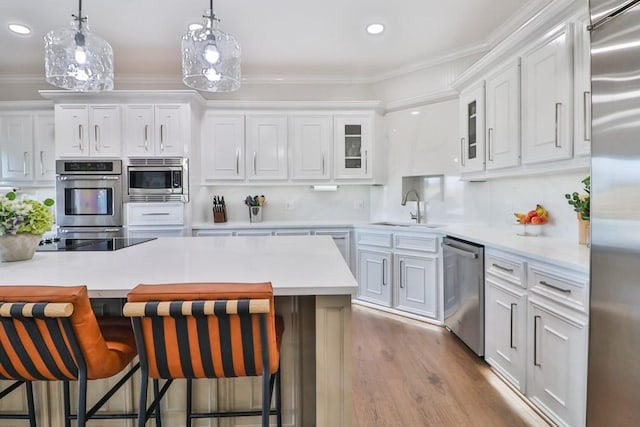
(170, 130)
(105, 133)
(352, 151)
(547, 100)
(72, 122)
(557, 364)
(503, 118)
(416, 281)
(582, 92)
(223, 147)
(505, 325)
(472, 124)
(139, 132)
(44, 147)
(374, 276)
(267, 147)
(311, 147)
(16, 147)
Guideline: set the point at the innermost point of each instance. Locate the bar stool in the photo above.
(51, 333)
(207, 330)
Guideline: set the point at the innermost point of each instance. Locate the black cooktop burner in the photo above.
(97, 244)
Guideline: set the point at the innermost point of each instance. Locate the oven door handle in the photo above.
(459, 251)
(88, 178)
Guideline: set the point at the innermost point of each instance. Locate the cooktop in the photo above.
(97, 244)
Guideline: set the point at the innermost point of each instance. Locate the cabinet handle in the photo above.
(146, 137)
(156, 214)
(254, 163)
(490, 143)
(80, 137)
(24, 162)
(557, 288)
(42, 163)
(558, 118)
(161, 137)
(323, 163)
(586, 101)
(238, 161)
(401, 268)
(366, 161)
(499, 267)
(535, 341)
(462, 140)
(384, 272)
(96, 130)
(511, 333)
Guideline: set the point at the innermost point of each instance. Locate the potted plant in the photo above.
(582, 205)
(22, 223)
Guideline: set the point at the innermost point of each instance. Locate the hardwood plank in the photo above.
(408, 373)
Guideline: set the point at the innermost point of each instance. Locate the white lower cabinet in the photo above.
(557, 363)
(374, 276)
(505, 324)
(417, 278)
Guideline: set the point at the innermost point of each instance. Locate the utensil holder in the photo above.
(255, 213)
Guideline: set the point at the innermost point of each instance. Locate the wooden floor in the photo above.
(410, 374)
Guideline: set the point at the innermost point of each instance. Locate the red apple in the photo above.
(532, 214)
(537, 220)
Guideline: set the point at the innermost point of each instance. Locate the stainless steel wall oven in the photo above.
(89, 197)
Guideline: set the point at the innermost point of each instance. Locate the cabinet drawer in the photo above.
(565, 287)
(416, 242)
(508, 268)
(155, 214)
(384, 240)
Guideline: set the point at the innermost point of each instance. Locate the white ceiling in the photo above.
(277, 37)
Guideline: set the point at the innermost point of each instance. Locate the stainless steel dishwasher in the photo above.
(464, 291)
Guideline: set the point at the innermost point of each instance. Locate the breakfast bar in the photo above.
(312, 286)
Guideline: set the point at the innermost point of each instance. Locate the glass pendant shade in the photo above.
(77, 60)
(210, 58)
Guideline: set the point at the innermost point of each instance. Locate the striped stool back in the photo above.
(205, 330)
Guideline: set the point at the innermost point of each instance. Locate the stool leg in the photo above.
(266, 397)
(156, 391)
(188, 406)
(279, 398)
(82, 400)
(30, 405)
(67, 404)
(142, 407)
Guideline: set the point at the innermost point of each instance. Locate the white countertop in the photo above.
(298, 265)
(276, 224)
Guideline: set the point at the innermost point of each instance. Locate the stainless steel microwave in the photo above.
(158, 180)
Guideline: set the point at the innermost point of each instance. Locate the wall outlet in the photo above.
(289, 205)
(358, 205)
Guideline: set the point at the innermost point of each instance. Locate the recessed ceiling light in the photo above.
(375, 28)
(23, 30)
(195, 26)
(415, 113)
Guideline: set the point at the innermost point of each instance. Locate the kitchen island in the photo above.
(313, 288)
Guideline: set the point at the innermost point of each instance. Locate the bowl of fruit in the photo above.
(530, 223)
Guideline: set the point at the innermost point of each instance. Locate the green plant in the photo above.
(24, 215)
(581, 202)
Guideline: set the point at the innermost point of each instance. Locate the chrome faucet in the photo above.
(415, 216)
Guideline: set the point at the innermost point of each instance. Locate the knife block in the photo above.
(220, 216)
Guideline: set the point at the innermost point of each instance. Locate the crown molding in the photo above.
(516, 21)
(295, 105)
(25, 105)
(430, 98)
(124, 96)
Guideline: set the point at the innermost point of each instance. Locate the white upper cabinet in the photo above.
(503, 117)
(88, 130)
(311, 146)
(27, 147)
(266, 157)
(223, 147)
(547, 78)
(353, 142)
(472, 125)
(156, 130)
(582, 91)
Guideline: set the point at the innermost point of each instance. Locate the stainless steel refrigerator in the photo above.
(613, 396)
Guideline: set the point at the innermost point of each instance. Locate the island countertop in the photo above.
(295, 265)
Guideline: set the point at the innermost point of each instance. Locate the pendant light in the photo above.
(210, 57)
(76, 59)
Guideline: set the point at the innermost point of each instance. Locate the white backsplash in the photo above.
(286, 203)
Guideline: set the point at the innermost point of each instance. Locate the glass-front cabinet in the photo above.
(352, 150)
(472, 141)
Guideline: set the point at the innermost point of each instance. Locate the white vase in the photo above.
(18, 247)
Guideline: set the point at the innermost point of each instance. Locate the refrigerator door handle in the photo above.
(612, 15)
